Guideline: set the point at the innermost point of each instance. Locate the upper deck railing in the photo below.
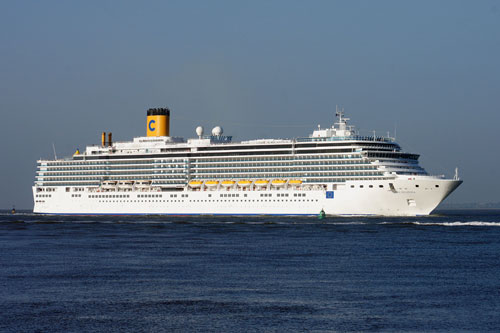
(348, 138)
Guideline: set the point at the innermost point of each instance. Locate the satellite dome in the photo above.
(217, 131)
(199, 131)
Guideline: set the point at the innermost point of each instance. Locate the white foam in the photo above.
(452, 224)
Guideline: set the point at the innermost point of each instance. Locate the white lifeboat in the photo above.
(125, 184)
(108, 184)
(142, 183)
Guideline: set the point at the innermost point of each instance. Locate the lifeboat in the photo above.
(195, 183)
(108, 184)
(142, 183)
(211, 183)
(125, 184)
(278, 182)
(244, 183)
(261, 182)
(227, 183)
(295, 182)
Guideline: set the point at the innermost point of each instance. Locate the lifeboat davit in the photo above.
(278, 182)
(211, 183)
(195, 183)
(227, 183)
(244, 183)
(261, 182)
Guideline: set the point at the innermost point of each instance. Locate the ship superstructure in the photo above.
(334, 169)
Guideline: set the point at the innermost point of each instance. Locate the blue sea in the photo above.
(250, 274)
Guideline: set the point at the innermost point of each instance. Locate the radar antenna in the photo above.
(342, 122)
(339, 113)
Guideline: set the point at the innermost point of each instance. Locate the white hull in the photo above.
(397, 197)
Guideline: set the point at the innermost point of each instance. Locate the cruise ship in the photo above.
(333, 171)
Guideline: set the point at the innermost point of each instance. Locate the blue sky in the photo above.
(70, 70)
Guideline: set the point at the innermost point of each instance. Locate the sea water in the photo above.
(251, 274)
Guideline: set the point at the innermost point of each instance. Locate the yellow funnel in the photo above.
(158, 122)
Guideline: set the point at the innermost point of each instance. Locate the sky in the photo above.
(427, 70)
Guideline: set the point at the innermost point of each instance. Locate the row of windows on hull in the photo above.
(236, 173)
(214, 167)
(213, 171)
(209, 200)
(221, 195)
(251, 164)
(49, 163)
(182, 162)
(231, 175)
(231, 168)
(183, 183)
(382, 186)
(148, 166)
